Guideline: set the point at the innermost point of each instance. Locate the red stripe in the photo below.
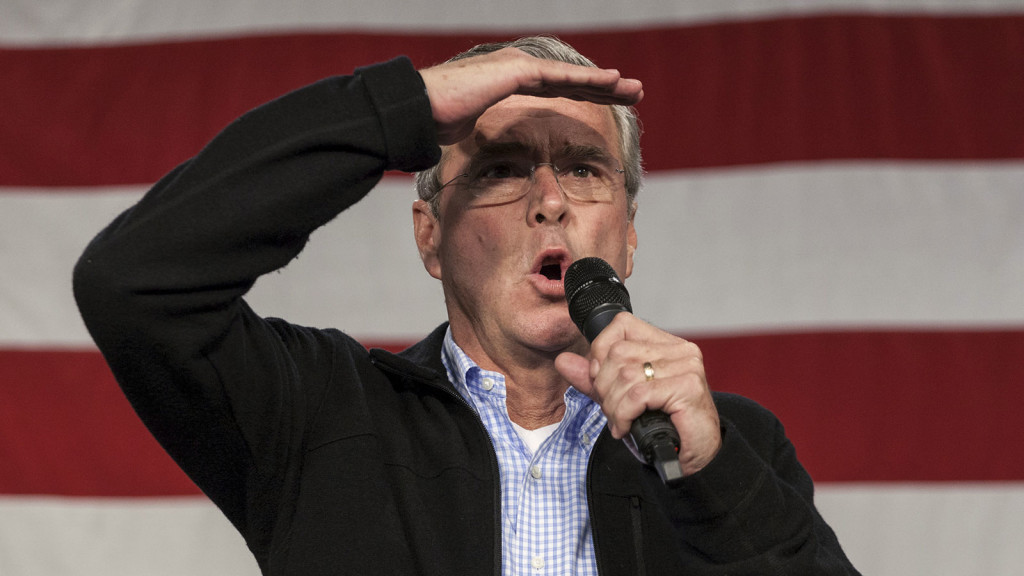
(887, 406)
(827, 87)
(860, 406)
(65, 428)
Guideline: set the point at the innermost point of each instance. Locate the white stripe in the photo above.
(42, 233)
(53, 536)
(70, 22)
(741, 250)
(885, 529)
(832, 245)
(928, 529)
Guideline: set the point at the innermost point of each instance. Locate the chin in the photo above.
(556, 336)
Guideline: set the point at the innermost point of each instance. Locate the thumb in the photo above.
(576, 370)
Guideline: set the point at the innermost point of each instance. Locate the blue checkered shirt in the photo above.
(545, 522)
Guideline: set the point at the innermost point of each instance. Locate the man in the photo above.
(484, 448)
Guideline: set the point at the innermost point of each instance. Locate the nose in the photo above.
(547, 199)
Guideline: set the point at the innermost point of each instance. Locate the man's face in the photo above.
(501, 262)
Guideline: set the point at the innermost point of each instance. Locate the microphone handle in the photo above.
(658, 442)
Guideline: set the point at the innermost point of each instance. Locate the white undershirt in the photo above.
(534, 438)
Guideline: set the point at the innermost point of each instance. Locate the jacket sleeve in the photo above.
(226, 392)
(751, 511)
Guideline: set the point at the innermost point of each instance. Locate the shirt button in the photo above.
(488, 384)
(585, 439)
(538, 562)
(536, 473)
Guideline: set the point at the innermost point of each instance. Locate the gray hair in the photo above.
(428, 182)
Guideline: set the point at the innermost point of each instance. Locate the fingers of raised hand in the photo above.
(462, 90)
(557, 79)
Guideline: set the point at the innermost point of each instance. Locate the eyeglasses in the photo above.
(508, 179)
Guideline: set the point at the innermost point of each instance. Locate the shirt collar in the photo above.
(469, 379)
(465, 374)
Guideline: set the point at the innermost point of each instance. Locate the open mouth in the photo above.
(551, 271)
(551, 264)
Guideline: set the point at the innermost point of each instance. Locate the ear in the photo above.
(630, 244)
(427, 231)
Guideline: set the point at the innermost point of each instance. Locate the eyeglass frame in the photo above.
(531, 179)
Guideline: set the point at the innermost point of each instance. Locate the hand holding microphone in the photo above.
(596, 296)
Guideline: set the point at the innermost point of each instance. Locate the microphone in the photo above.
(595, 295)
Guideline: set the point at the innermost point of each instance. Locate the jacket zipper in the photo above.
(635, 512)
(590, 499)
(638, 534)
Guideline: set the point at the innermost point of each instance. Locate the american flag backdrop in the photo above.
(834, 212)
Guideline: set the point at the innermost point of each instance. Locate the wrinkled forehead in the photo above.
(541, 129)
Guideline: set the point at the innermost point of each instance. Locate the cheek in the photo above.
(608, 238)
(476, 247)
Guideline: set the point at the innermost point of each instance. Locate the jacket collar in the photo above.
(421, 361)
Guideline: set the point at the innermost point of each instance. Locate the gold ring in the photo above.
(648, 371)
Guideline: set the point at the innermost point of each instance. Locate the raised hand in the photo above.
(462, 90)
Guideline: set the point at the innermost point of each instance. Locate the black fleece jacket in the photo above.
(332, 459)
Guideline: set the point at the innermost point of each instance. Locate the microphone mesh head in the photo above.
(589, 283)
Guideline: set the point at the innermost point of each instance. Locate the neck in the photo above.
(535, 400)
(535, 391)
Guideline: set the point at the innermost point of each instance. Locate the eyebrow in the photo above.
(491, 150)
(585, 152)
